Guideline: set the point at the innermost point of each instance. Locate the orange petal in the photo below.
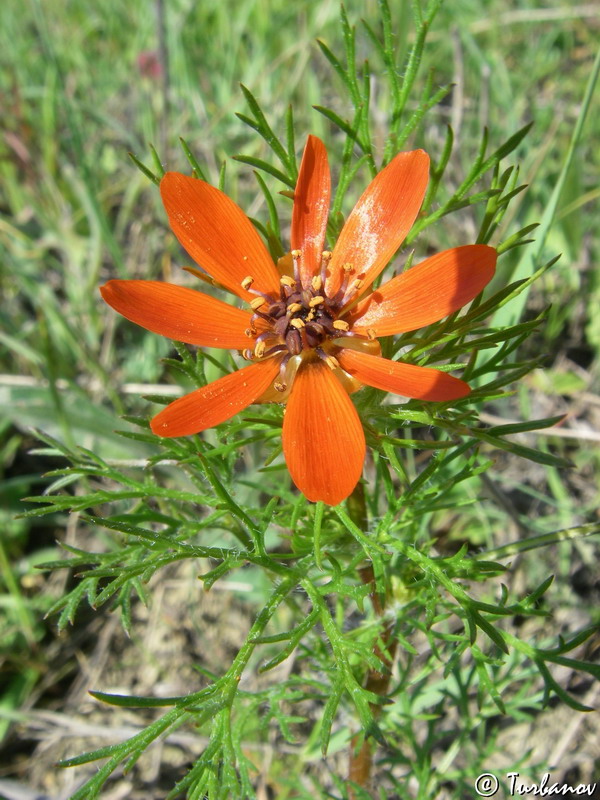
(311, 208)
(179, 313)
(213, 404)
(428, 292)
(217, 234)
(380, 220)
(408, 380)
(323, 439)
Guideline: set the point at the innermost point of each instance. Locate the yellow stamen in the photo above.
(355, 285)
(341, 325)
(259, 350)
(296, 253)
(311, 315)
(248, 355)
(280, 387)
(316, 283)
(250, 332)
(293, 307)
(371, 333)
(326, 255)
(286, 280)
(332, 362)
(297, 323)
(316, 301)
(247, 282)
(257, 303)
(347, 267)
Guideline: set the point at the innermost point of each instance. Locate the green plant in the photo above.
(442, 618)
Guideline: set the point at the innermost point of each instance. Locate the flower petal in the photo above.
(323, 439)
(217, 234)
(409, 380)
(428, 292)
(311, 208)
(380, 220)
(179, 313)
(217, 402)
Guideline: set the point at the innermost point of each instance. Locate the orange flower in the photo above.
(311, 336)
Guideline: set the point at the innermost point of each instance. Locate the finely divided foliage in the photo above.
(315, 327)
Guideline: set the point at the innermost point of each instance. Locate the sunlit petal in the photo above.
(311, 208)
(408, 380)
(428, 292)
(217, 234)
(217, 402)
(179, 313)
(323, 439)
(380, 220)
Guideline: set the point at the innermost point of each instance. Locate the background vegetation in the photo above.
(81, 85)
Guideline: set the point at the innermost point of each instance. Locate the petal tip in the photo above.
(171, 176)
(462, 390)
(419, 157)
(329, 498)
(314, 141)
(172, 184)
(423, 161)
(108, 290)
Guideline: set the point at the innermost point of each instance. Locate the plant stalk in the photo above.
(362, 749)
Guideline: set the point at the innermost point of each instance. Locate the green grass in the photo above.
(75, 212)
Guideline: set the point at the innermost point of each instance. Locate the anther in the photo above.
(257, 302)
(297, 323)
(316, 283)
(296, 253)
(259, 350)
(316, 301)
(347, 267)
(294, 307)
(355, 285)
(341, 325)
(247, 354)
(250, 332)
(287, 280)
(332, 362)
(371, 333)
(247, 282)
(279, 387)
(326, 255)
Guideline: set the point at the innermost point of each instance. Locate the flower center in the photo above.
(302, 321)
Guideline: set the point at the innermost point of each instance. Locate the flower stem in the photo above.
(361, 749)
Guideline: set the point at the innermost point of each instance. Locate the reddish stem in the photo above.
(361, 754)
